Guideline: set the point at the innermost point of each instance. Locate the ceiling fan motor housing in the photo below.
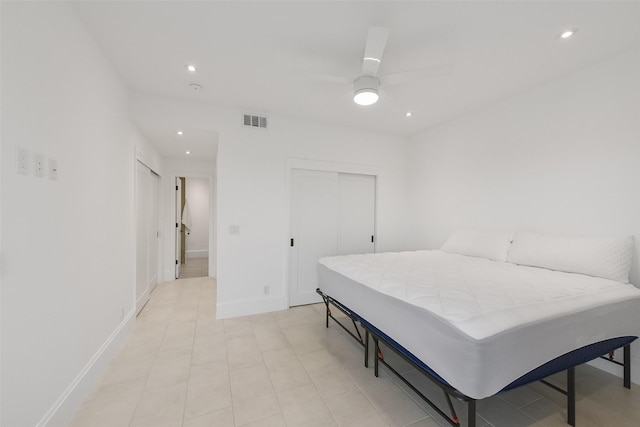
(366, 83)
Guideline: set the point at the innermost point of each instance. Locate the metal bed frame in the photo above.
(567, 363)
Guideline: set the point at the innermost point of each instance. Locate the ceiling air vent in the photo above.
(255, 121)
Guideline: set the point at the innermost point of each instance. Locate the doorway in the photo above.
(193, 211)
(331, 213)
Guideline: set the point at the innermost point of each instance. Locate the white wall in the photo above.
(197, 194)
(68, 246)
(253, 194)
(563, 157)
(250, 190)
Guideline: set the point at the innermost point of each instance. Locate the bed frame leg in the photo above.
(627, 366)
(376, 359)
(471, 413)
(366, 348)
(571, 396)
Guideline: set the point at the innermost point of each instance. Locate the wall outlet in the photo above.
(121, 313)
(234, 229)
(22, 161)
(38, 165)
(266, 290)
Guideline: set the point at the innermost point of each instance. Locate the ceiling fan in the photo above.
(366, 86)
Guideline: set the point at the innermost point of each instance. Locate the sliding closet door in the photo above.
(314, 230)
(356, 207)
(331, 213)
(143, 201)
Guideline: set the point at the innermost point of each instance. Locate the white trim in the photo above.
(204, 253)
(248, 307)
(65, 408)
(143, 300)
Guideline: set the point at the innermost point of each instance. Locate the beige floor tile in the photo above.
(254, 406)
(178, 335)
(243, 351)
(269, 336)
(161, 407)
(209, 348)
(276, 420)
(353, 409)
(111, 407)
(221, 418)
(425, 422)
(285, 370)
(208, 390)
(303, 406)
(171, 367)
(302, 338)
(391, 402)
(250, 380)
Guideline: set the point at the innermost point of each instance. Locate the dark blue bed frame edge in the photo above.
(566, 362)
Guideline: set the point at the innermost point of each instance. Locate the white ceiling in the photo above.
(262, 56)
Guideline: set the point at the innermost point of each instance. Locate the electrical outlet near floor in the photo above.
(38, 165)
(266, 290)
(22, 161)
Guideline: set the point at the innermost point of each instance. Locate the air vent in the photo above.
(255, 121)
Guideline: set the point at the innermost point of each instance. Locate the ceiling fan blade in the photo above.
(329, 78)
(417, 74)
(376, 41)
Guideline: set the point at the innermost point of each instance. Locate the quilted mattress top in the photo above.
(478, 296)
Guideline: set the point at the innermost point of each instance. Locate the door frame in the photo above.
(212, 216)
(323, 166)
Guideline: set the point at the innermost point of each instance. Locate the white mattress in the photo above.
(477, 323)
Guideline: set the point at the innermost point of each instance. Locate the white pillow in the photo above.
(484, 244)
(606, 257)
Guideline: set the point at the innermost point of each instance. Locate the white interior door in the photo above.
(314, 227)
(153, 230)
(143, 183)
(178, 222)
(356, 213)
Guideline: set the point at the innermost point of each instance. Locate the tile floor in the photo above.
(194, 267)
(182, 367)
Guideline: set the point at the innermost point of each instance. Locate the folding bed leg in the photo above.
(454, 416)
(377, 355)
(471, 413)
(366, 348)
(627, 366)
(571, 396)
(327, 313)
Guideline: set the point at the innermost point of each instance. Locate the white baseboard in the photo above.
(248, 307)
(65, 408)
(197, 254)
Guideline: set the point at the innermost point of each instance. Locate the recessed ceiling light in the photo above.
(187, 152)
(567, 33)
(180, 133)
(191, 68)
(409, 114)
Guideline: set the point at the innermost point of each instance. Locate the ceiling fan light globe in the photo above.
(365, 96)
